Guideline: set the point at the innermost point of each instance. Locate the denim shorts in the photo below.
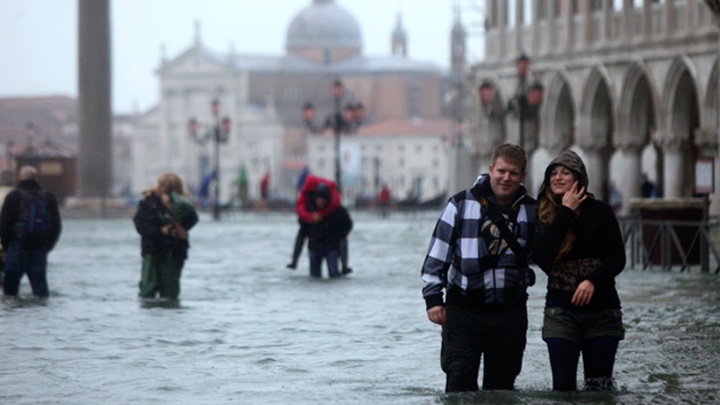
(579, 326)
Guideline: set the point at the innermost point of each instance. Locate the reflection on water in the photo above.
(247, 330)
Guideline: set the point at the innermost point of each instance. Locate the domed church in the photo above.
(263, 95)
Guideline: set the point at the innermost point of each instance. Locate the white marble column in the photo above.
(502, 28)
(669, 14)
(596, 172)
(536, 40)
(691, 14)
(570, 23)
(627, 10)
(647, 19)
(673, 169)
(607, 27)
(587, 13)
(706, 141)
(632, 168)
(553, 43)
(519, 25)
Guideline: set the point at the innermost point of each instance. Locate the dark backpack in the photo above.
(32, 226)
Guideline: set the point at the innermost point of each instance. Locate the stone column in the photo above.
(519, 25)
(587, 13)
(669, 17)
(501, 28)
(570, 23)
(607, 28)
(707, 144)
(552, 27)
(596, 172)
(592, 147)
(647, 19)
(673, 168)
(691, 11)
(632, 168)
(627, 12)
(94, 91)
(536, 40)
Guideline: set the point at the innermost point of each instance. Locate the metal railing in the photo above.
(671, 244)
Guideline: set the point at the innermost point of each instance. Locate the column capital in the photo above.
(627, 142)
(585, 138)
(706, 138)
(671, 143)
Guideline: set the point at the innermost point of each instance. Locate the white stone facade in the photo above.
(163, 142)
(632, 86)
(411, 158)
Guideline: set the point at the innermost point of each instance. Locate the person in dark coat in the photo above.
(326, 236)
(308, 214)
(27, 250)
(578, 244)
(164, 238)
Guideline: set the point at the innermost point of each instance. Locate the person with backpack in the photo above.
(29, 229)
(478, 254)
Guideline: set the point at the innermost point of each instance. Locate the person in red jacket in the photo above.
(325, 236)
(309, 214)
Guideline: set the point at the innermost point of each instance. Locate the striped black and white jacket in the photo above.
(467, 256)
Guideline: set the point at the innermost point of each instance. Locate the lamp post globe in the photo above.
(342, 121)
(524, 102)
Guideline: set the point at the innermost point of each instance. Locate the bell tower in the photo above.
(458, 38)
(399, 39)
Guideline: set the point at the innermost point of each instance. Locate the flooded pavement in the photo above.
(248, 330)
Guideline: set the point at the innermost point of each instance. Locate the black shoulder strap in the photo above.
(499, 221)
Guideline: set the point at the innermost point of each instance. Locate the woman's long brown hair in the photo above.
(172, 184)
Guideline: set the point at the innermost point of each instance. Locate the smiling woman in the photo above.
(579, 246)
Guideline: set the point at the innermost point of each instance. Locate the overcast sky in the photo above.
(38, 48)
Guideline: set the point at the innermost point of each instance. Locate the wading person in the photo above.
(579, 245)
(309, 214)
(478, 255)
(163, 219)
(7, 185)
(29, 227)
(325, 236)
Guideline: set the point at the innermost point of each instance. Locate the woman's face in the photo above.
(561, 180)
(161, 188)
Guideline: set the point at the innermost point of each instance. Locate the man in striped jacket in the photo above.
(484, 271)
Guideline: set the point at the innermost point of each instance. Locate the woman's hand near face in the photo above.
(574, 197)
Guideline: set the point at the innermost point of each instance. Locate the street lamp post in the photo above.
(219, 133)
(342, 121)
(524, 103)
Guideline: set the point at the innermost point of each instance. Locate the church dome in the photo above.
(324, 25)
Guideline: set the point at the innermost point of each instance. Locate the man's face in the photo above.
(505, 179)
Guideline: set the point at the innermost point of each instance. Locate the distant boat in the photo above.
(415, 202)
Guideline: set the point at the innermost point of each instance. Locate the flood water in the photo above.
(248, 330)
